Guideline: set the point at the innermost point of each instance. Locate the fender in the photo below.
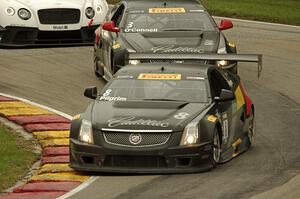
(207, 127)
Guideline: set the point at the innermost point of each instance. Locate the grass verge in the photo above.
(275, 11)
(16, 157)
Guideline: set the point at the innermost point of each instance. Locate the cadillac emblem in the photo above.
(135, 139)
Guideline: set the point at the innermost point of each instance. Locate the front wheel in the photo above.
(216, 152)
(98, 70)
(251, 130)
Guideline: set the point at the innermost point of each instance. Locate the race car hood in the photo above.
(144, 115)
(37, 4)
(173, 42)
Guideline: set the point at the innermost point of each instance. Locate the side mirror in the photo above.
(226, 95)
(225, 24)
(91, 92)
(110, 26)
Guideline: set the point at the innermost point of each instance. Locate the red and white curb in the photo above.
(51, 128)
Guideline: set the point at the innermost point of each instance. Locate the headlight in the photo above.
(190, 134)
(24, 14)
(134, 62)
(99, 9)
(89, 12)
(86, 132)
(10, 11)
(222, 63)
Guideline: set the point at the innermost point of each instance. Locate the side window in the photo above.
(117, 16)
(232, 80)
(217, 83)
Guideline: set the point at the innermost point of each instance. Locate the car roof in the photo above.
(160, 3)
(186, 69)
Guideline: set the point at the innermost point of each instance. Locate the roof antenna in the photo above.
(165, 4)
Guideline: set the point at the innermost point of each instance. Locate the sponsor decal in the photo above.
(125, 77)
(76, 117)
(181, 116)
(141, 30)
(135, 138)
(196, 78)
(166, 10)
(160, 76)
(116, 46)
(196, 10)
(231, 44)
(106, 97)
(60, 27)
(212, 118)
(225, 127)
(174, 49)
(209, 42)
(136, 11)
(131, 120)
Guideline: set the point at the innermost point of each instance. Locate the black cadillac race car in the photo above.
(164, 118)
(173, 26)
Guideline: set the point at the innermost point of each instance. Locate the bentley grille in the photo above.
(59, 16)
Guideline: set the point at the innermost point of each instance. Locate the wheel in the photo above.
(98, 70)
(251, 130)
(216, 152)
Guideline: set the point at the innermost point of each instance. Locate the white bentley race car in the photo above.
(34, 22)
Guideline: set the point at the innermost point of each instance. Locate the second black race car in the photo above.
(164, 118)
(159, 26)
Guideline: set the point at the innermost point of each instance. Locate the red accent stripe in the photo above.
(247, 99)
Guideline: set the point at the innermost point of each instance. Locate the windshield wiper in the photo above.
(182, 29)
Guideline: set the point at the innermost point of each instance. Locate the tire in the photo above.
(216, 151)
(251, 129)
(98, 70)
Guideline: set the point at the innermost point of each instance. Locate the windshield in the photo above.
(158, 22)
(156, 90)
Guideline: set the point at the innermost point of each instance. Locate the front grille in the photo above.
(135, 161)
(59, 16)
(148, 139)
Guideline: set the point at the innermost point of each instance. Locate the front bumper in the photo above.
(85, 157)
(13, 36)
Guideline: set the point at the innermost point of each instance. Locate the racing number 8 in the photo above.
(107, 92)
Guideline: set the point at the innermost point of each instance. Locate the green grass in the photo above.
(16, 157)
(276, 11)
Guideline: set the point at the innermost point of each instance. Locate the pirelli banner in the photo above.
(166, 10)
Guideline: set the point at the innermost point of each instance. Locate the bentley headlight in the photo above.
(10, 11)
(89, 12)
(24, 14)
(134, 62)
(99, 9)
(190, 134)
(86, 132)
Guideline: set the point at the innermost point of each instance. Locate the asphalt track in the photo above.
(56, 77)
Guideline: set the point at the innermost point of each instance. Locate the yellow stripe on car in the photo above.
(240, 101)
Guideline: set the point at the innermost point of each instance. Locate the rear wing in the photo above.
(204, 57)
